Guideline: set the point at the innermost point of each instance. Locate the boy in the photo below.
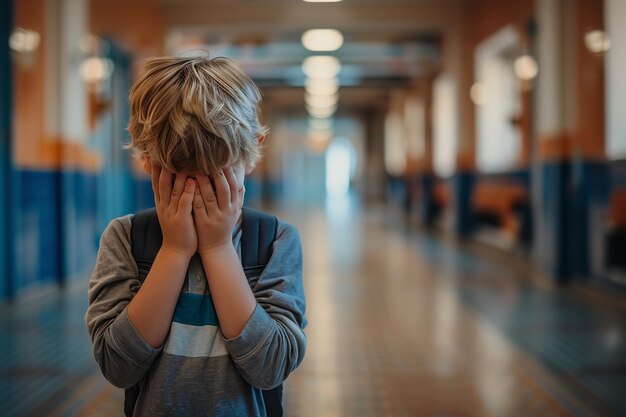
(194, 122)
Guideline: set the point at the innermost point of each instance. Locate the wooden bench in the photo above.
(497, 201)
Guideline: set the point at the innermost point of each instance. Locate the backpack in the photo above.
(258, 235)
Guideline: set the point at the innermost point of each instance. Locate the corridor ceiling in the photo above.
(387, 43)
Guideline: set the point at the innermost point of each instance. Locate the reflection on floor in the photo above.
(401, 324)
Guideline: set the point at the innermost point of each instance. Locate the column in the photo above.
(569, 172)
(6, 181)
(458, 55)
(427, 205)
(67, 123)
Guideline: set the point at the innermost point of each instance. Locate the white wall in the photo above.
(66, 92)
(395, 143)
(498, 141)
(445, 126)
(615, 17)
(414, 126)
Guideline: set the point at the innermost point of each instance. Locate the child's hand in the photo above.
(216, 209)
(174, 206)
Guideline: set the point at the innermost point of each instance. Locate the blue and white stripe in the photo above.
(195, 328)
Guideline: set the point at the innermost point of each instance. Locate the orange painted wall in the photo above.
(29, 98)
(137, 26)
(33, 146)
(488, 16)
(588, 139)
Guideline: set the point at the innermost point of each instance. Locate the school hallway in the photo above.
(456, 169)
(401, 323)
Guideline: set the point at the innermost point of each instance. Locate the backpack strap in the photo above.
(258, 235)
(145, 240)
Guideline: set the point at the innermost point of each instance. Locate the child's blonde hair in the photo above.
(195, 114)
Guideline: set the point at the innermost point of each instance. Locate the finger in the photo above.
(178, 188)
(165, 185)
(155, 171)
(206, 189)
(199, 209)
(241, 193)
(222, 190)
(231, 179)
(185, 201)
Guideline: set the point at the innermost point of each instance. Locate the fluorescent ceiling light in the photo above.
(321, 66)
(322, 112)
(322, 39)
(321, 101)
(321, 86)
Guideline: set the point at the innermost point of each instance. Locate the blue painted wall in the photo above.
(572, 190)
(143, 196)
(79, 206)
(462, 186)
(6, 180)
(52, 248)
(37, 229)
(427, 206)
(556, 234)
(590, 187)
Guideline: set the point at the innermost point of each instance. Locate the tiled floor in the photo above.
(401, 324)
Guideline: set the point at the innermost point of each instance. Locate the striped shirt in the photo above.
(197, 372)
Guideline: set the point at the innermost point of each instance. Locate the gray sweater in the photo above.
(197, 372)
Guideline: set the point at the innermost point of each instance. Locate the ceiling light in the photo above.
(322, 39)
(321, 1)
(526, 67)
(597, 41)
(321, 112)
(321, 101)
(321, 86)
(321, 66)
(24, 40)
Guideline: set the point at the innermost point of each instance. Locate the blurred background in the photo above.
(457, 170)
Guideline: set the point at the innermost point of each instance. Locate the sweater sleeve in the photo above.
(123, 355)
(272, 343)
